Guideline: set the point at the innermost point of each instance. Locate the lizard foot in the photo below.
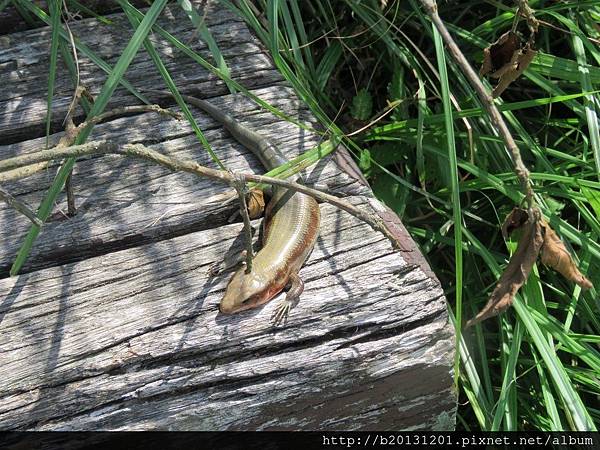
(281, 313)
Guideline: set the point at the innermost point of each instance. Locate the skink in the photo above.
(291, 228)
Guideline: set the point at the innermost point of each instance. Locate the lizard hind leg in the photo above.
(280, 315)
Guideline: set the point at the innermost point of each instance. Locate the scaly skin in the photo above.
(292, 226)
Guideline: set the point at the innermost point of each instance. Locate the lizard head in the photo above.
(246, 291)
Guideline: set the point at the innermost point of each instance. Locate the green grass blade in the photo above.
(3, 4)
(562, 68)
(328, 63)
(84, 49)
(197, 58)
(549, 400)
(457, 217)
(422, 113)
(292, 38)
(21, 6)
(474, 112)
(206, 35)
(473, 390)
(580, 415)
(577, 32)
(83, 8)
(577, 348)
(503, 411)
(54, 8)
(299, 22)
(589, 102)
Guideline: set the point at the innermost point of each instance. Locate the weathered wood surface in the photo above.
(114, 322)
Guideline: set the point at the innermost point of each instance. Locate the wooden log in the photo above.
(114, 323)
(133, 340)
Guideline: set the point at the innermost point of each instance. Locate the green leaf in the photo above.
(365, 161)
(392, 194)
(362, 105)
(396, 88)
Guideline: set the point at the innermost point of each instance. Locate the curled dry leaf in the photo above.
(506, 60)
(515, 274)
(537, 238)
(515, 219)
(555, 254)
(256, 203)
(499, 53)
(514, 69)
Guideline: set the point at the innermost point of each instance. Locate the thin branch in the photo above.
(240, 187)
(71, 209)
(486, 99)
(22, 164)
(23, 172)
(71, 132)
(66, 19)
(19, 206)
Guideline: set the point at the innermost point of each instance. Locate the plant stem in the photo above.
(486, 99)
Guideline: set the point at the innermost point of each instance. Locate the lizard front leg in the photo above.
(292, 297)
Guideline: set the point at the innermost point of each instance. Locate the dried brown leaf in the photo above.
(506, 59)
(514, 69)
(256, 203)
(515, 274)
(499, 53)
(514, 220)
(555, 254)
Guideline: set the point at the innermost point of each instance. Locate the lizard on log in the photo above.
(291, 227)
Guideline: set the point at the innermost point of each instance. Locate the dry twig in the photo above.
(242, 190)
